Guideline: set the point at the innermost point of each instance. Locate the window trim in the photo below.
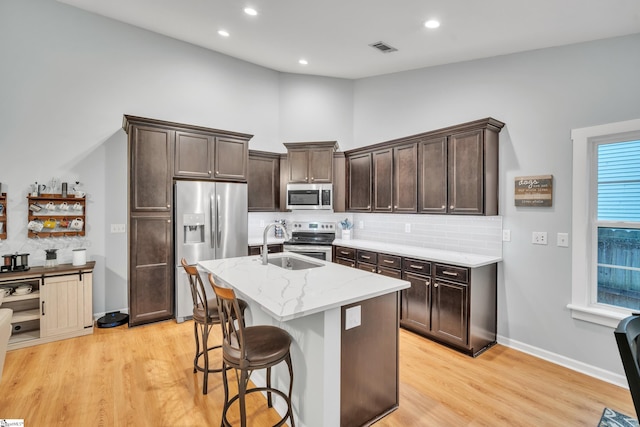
(584, 216)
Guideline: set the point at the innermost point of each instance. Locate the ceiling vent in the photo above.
(383, 47)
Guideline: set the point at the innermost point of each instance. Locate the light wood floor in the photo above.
(143, 377)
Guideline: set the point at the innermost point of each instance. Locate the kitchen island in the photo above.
(344, 323)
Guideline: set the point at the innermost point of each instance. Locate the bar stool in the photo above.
(247, 349)
(205, 315)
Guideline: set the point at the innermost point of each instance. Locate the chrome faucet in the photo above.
(265, 249)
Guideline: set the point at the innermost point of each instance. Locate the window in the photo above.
(618, 224)
(606, 222)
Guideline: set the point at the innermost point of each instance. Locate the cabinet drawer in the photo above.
(345, 262)
(458, 274)
(390, 272)
(390, 261)
(417, 266)
(371, 268)
(367, 256)
(344, 252)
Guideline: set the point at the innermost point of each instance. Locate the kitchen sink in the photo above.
(290, 263)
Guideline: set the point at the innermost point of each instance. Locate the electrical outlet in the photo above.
(539, 238)
(353, 317)
(407, 228)
(118, 228)
(563, 240)
(506, 235)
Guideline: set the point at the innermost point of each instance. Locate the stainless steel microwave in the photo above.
(310, 196)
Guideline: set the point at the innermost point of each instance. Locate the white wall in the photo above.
(540, 95)
(67, 77)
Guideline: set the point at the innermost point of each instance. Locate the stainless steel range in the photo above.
(311, 238)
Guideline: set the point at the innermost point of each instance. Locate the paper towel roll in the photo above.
(79, 256)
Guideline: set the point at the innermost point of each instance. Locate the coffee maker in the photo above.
(15, 262)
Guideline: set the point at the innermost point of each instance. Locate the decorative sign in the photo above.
(534, 190)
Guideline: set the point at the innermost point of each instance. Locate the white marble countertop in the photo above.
(288, 294)
(448, 257)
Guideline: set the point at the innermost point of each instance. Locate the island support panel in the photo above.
(369, 361)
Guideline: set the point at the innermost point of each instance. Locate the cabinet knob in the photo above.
(305, 178)
(369, 207)
(209, 172)
(217, 172)
(444, 206)
(389, 207)
(312, 178)
(168, 221)
(435, 285)
(451, 207)
(168, 206)
(395, 207)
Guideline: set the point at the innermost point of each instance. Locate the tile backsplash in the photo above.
(480, 235)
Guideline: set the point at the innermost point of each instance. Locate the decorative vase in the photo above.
(346, 234)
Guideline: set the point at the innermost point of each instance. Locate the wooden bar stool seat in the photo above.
(247, 349)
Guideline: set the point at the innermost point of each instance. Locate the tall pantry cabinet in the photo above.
(160, 152)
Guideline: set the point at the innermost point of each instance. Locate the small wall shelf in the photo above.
(62, 211)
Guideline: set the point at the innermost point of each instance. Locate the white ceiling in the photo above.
(334, 35)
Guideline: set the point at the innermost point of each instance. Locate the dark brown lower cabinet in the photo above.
(151, 269)
(416, 303)
(450, 304)
(271, 249)
(450, 312)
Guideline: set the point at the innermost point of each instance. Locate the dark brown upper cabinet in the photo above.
(263, 179)
(432, 176)
(208, 156)
(359, 172)
(405, 178)
(310, 162)
(150, 168)
(452, 170)
(382, 180)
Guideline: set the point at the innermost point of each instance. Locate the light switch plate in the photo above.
(352, 317)
(118, 228)
(539, 238)
(563, 240)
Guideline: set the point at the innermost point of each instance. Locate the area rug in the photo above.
(611, 418)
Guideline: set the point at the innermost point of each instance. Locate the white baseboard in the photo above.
(593, 371)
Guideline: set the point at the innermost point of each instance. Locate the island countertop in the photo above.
(289, 294)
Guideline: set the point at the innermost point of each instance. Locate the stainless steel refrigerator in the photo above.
(210, 223)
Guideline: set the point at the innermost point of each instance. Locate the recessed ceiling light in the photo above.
(223, 33)
(303, 62)
(432, 23)
(250, 11)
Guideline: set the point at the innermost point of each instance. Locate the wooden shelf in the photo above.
(25, 315)
(24, 336)
(57, 214)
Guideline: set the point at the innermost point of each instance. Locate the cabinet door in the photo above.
(450, 312)
(382, 180)
(263, 179)
(359, 185)
(61, 305)
(405, 178)
(231, 158)
(151, 290)
(298, 165)
(466, 173)
(320, 165)
(432, 176)
(416, 302)
(151, 173)
(193, 155)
